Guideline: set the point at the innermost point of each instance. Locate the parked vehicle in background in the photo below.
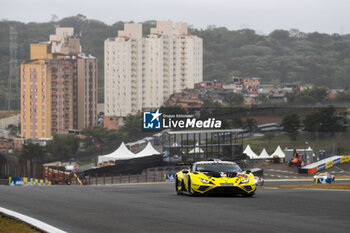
(297, 159)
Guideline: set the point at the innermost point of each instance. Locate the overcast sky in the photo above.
(329, 16)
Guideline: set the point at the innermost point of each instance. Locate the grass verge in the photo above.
(9, 225)
(86, 162)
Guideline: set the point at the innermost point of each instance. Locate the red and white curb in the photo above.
(31, 221)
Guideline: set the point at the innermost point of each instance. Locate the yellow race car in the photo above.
(209, 177)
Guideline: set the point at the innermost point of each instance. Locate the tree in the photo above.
(325, 121)
(13, 129)
(234, 99)
(342, 97)
(309, 96)
(250, 124)
(132, 128)
(237, 123)
(280, 35)
(98, 136)
(63, 147)
(330, 121)
(54, 18)
(172, 110)
(282, 56)
(263, 98)
(33, 151)
(210, 108)
(312, 122)
(291, 125)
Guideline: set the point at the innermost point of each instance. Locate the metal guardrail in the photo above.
(108, 179)
(4, 182)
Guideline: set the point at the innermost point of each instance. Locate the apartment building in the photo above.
(58, 87)
(86, 92)
(142, 72)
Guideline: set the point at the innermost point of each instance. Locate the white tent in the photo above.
(119, 154)
(196, 150)
(248, 151)
(147, 151)
(264, 154)
(279, 152)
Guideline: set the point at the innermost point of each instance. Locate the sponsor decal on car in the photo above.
(223, 174)
(242, 175)
(226, 184)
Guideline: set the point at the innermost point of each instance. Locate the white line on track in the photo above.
(315, 189)
(131, 184)
(308, 189)
(31, 221)
(288, 180)
(302, 179)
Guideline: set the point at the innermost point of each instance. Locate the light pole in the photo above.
(306, 143)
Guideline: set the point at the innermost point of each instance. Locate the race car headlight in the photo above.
(244, 181)
(205, 181)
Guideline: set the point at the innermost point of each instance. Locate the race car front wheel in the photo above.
(190, 190)
(178, 186)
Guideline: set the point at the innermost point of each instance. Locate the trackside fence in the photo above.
(149, 175)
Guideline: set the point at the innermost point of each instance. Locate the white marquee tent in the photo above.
(279, 152)
(264, 154)
(119, 154)
(147, 151)
(250, 153)
(196, 150)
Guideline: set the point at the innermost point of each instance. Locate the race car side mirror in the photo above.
(185, 171)
(248, 172)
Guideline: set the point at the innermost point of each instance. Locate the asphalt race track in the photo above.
(156, 208)
(277, 182)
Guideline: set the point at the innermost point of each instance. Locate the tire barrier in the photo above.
(25, 181)
(324, 164)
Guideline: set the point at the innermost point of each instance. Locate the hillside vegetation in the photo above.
(281, 56)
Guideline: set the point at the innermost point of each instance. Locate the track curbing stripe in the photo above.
(31, 221)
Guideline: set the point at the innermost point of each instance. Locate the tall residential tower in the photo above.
(142, 72)
(58, 87)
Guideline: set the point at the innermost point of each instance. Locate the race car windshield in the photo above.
(218, 168)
